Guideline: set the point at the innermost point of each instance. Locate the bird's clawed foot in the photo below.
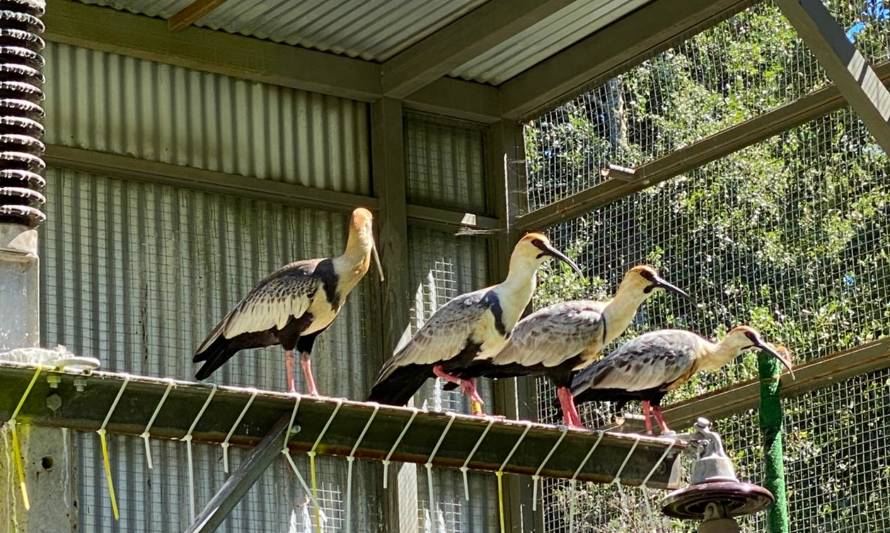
(570, 415)
(468, 386)
(659, 418)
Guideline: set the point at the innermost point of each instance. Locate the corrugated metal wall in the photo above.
(137, 273)
(119, 104)
(445, 163)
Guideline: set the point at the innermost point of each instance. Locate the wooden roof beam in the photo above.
(464, 39)
(192, 13)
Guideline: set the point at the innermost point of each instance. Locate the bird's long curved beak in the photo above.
(377, 261)
(565, 259)
(662, 283)
(765, 346)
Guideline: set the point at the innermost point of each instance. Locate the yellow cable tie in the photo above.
(108, 477)
(16, 444)
(500, 475)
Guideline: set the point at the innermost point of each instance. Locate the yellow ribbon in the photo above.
(500, 476)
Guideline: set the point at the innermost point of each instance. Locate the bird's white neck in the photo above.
(620, 310)
(353, 264)
(716, 354)
(515, 292)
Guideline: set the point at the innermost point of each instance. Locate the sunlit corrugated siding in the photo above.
(357, 28)
(556, 32)
(119, 104)
(443, 266)
(445, 163)
(136, 274)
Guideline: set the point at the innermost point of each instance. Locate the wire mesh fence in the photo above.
(747, 65)
(789, 235)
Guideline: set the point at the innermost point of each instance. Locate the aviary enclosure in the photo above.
(728, 160)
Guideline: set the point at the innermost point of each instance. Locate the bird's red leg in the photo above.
(307, 373)
(567, 404)
(646, 418)
(476, 403)
(441, 374)
(289, 368)
(660, 419)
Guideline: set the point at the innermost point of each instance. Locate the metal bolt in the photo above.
(53, 402)
(53, 380)
(80, 384)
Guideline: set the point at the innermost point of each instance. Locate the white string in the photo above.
(429, 464)
(651, 472)
(290, 425)
(327, 425)
(349, 460)
(286, 452)
(396, 445)
(535, 478)
(575, 476)
(617, 478)
(225, 442)
(463, 468)
(306, 489)
(528, 426)
(145, 433)
(188, 451)
(120, 392)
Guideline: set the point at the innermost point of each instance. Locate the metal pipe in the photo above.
(771, 428)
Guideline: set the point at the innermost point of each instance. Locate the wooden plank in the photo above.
(846, 67)
(131, 168)
(610, 51)
(108, 30)
(192, 13)
(241, 480)
(447, 220)
(814, 374)
(458, 99)
(473, 34)
(84, 411)
(710, 148)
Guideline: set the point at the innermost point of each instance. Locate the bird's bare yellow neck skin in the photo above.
(620, 310)
(353, 264)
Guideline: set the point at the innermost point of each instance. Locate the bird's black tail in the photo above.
(399, 386)
(214, 356)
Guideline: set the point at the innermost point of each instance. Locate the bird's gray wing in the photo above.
(443, 335)
(286, 293)
(652, 360)
(553, 334)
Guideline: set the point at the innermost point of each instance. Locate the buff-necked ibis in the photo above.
(293, 305)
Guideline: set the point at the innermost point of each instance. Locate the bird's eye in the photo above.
(751, 336)
(647, 274)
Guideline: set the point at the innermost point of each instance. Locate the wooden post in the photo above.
(389, 175)
(846, 67)
(514, 398)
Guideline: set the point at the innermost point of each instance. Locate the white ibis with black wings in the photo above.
(293, 305)
(560, 339)
(470, 326)
(647, 367)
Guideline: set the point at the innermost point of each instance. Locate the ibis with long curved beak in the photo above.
(648, 367)
(560, 339)
(293, 305)
(470, 326)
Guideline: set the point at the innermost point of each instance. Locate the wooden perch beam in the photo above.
(84, 411)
